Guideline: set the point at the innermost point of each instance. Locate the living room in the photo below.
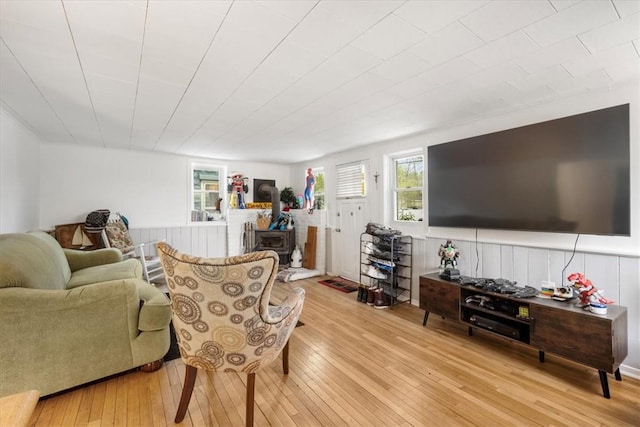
(46, 179)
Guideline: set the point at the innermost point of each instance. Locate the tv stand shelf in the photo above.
(561, 328)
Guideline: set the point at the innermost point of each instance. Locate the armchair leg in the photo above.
(187, 390)
(285, 358)
(251, 385)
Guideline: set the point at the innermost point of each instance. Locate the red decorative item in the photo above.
(587, 292)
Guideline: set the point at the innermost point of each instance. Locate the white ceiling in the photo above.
(288, 81)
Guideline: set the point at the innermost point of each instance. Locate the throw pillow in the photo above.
(118, 236)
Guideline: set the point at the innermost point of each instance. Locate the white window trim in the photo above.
(390, 159)
(222, 170)
(320, 170)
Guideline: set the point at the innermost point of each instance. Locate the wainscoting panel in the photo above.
(630, 297)
(491, 261)
(200, 240)
(603, 271)
(506, 261)
(557, 261)
(538, 266)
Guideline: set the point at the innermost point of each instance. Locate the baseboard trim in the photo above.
(630, 371)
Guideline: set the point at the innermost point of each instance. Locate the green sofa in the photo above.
(70, 317)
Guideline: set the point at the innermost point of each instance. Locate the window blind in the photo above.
(350, 180)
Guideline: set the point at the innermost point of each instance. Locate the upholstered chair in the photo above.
(222, 316)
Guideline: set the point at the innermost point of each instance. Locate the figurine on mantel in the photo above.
(237, 187)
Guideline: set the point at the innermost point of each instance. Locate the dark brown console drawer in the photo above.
(440, 298)
(582, 337)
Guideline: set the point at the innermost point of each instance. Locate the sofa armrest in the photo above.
(55, 339)
(155, 313)
(82, 259)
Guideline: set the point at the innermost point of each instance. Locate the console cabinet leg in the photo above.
(541, 356)
(617, 374)
(605, 384)
(426, 316)
(470, 331)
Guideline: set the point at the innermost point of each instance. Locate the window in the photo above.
(351, 180)
(206, 191)
(408, 174)
(319, 200)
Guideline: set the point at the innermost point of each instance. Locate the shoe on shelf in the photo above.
(370, 248)
(371, 295)
(382, 300)
(375, 273)
(382, 267)
(382, 261)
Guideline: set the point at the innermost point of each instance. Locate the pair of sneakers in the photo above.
(375, 273)
(370, 249)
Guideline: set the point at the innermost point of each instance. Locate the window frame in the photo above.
(222, 182)
(319, 170)
(395, 190)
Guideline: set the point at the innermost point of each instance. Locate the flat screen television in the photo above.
(567, 175)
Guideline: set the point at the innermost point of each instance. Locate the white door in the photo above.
(352, 224)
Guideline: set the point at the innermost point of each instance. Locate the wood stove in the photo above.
(282, 242)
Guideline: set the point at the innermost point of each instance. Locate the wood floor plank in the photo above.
(97, 403)
(109, 409)
(121, 405)
(353, 365)
(84, 407)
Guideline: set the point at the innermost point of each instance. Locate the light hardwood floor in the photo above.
(353, 365)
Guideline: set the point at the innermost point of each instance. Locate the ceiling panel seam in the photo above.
(315, 68)
(249, 75)
(84, 76)
(39, 92)
(135, 99)
(186, 89)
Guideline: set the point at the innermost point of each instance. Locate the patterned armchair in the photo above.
(222, 316)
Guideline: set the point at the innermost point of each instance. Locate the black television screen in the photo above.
(566, 175)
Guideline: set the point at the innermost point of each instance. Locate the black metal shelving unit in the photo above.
(396, 250)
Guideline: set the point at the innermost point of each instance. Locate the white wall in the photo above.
(150, 189)
(19, 176)
(612, 263)
(375, 155)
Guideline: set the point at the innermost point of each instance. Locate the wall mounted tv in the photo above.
(567, 175)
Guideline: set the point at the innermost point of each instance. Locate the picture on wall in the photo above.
(262, 190)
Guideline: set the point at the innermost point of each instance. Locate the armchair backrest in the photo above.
(32, 260)
(221, 309)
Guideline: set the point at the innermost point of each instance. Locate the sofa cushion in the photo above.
(55, 251)
(127, 269)
(35, 258)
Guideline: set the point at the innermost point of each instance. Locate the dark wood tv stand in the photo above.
(561, 328)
